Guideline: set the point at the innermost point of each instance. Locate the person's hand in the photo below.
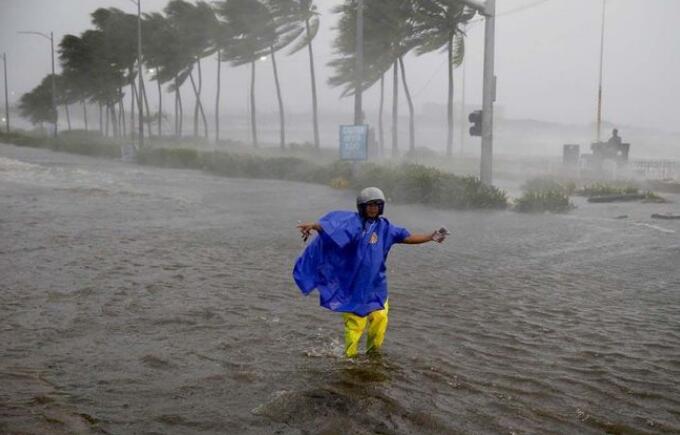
(306, 229)
(440, 234)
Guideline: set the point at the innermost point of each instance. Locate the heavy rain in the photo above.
(163, 162)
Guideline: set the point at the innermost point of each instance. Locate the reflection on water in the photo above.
(141, 300)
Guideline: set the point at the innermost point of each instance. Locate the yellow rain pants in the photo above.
(355, 326)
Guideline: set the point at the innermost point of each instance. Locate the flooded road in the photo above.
(138, 300)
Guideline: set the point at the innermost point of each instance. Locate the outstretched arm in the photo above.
(307, 228)
(436, 236)
(416, 239)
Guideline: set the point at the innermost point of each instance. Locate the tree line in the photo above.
(100, 65)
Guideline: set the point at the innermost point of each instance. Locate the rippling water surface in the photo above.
(143, 300)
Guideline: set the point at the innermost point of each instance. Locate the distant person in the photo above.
(615, 139)
(346, 263)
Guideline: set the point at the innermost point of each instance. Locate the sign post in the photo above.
(354, 144)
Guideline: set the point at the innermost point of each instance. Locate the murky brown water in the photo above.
(137, 300)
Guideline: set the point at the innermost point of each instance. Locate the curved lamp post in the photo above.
(54, 85)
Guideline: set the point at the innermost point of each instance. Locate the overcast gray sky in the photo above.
(547, 59)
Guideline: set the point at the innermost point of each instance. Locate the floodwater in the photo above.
(138, 300)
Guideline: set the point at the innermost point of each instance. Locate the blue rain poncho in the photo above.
(346, 262)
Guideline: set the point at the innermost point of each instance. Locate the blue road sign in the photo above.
(353, 142)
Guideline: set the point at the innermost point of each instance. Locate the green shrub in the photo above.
(548, 184)
(24, 140)
(554, 201)
(653, 197)
(111, 150)
(411, 183)
(170, 158)
(406, 183)
(604, 189)
(543, 194)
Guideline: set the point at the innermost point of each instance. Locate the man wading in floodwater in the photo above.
(346, 263)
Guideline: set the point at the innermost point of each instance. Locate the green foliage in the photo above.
(555, 201)
(546, 184)
(653, 197)
(75, 141)
(24, 140)
(604, 189)
(36, 105)
(543, 194)
(407, 183)
(170, 158)
(411, 183)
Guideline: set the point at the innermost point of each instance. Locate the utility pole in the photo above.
(359, 64)
(488, 9)
(4, 61)
(599, 88)
(462, 106)
(54, 84)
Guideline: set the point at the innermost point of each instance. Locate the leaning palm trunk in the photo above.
(179, 112)
(200, 103)
(68, 117)
(122, 119)
(315, 110)
(141, 88)
(449, 109)
(117, 109)
(146, 107)
(114, 119)
(176, 111)
(193, 86)
(133, 99)
(217, 99)
(411, 120)
(101, 120)
(160, 108)
(253, 118)
(82, 102)
(395, 109)
(282, 122)
(198, 108)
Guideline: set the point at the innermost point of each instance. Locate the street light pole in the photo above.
(54, 84)
(359, 64)
(599, 88)
(4, 61)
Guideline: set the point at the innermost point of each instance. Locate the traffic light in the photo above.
(476, 119)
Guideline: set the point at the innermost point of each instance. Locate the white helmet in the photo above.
(367, 195)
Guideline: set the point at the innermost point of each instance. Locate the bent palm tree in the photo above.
(253, 34)
(438, 27)
(36, 105)
(302, 19)
(388, 36)
(195, 23)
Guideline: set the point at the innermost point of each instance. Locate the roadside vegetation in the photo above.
(401, 182)
(541, 195)
(617, 191)
(547, 194)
